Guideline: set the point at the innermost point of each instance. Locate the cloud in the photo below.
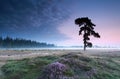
(70, 30)
(27, 12)
(32, 17)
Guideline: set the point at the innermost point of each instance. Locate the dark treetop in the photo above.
(17, 42)
(87, 26)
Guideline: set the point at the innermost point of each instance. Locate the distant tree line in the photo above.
(9, 42)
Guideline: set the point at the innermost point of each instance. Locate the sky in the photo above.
(52, 21)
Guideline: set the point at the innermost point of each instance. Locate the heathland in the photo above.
(79, 64)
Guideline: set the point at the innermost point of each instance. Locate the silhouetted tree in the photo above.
(87, 26)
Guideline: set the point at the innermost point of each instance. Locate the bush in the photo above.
(54, 71)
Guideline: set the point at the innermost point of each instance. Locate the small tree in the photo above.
(87, 26)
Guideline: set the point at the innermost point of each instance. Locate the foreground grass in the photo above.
(79, 67)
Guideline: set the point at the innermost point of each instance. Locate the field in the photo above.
(90, 64)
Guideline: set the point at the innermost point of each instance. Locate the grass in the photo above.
(26, 68)
(79, 67)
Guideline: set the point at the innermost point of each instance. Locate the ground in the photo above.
(6, 55)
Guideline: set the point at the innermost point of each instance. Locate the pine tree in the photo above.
(87, 27)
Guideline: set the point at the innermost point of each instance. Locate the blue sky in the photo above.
(52, 21)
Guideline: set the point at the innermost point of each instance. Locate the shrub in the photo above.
(53, 71)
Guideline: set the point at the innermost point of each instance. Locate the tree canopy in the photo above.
(87, 27)
(9, 42)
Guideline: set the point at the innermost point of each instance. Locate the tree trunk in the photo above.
(84, 38)
(84, 47)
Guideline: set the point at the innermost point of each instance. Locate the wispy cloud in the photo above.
(70, 30)
(32, 17)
